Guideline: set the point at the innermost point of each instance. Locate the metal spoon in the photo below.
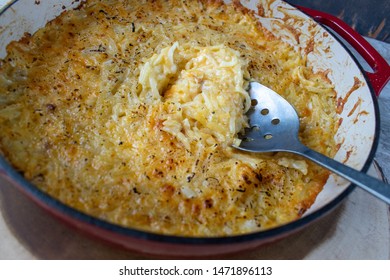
(274, 126)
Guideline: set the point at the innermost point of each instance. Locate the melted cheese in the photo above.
(127, 111)
(207, 97)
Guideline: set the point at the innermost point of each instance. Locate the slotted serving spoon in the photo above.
(274, 126)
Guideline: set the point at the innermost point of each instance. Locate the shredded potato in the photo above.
(208, 98)
(128, 110)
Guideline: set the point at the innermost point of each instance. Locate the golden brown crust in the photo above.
(70, 121)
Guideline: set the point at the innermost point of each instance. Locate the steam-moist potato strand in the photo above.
(79, 119)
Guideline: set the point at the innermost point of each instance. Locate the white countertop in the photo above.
(383, 152)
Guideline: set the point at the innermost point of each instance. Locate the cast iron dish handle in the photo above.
(381, 74)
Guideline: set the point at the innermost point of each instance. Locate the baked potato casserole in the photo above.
(128, 110)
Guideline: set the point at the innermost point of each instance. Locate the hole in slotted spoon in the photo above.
(268, 136)
(275, 121)
(264, 112)
(247, 139)
(254, 102)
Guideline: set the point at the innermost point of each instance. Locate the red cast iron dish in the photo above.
(358, 133)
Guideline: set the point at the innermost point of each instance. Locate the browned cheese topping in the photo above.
(127, 111)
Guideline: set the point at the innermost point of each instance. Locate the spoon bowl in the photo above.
(274, 126)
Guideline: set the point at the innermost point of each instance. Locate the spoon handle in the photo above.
(368, 183)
